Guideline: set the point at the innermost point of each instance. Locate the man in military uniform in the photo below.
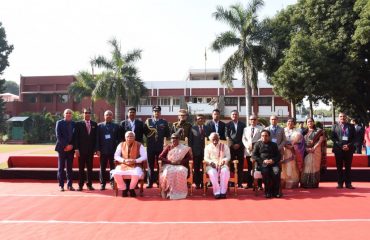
(182, 124)
(155, 138)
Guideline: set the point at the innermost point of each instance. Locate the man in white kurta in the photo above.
(129, 153)
(217, 157)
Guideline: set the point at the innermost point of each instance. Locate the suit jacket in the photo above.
(85, 142)
(337, 137)
(359, 134)
(155, 142)
(139, 130)
(279, 135)
(221, 129)
(108, 138)
(235, 136)
(196, 140)
(249, 140)
(63, 134)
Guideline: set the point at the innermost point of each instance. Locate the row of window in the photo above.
(45, 98)
(163, 101)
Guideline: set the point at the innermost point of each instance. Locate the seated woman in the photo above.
(315, 156)
(129, 153)
(173, 176)
(217, 157)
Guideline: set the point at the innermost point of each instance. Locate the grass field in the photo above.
(44, 148)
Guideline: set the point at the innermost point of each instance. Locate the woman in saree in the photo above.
(293, 156)
(173, 176)
(315, 155)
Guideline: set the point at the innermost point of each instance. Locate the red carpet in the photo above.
(36, 210)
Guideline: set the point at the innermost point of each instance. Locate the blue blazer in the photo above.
(64, 138)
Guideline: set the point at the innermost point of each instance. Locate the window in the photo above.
(30, 98)
(265, 101)
(242, 101)
(63, 98)
(48, 98)
(146, 101)
(176, 101)
(164, 101)
(231, 101)
(208, 99)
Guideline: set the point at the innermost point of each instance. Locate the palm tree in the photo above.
(83, 87)
(245, 35)
(120, 80)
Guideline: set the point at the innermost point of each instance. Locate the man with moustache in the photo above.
(133, 124)
(216, 125)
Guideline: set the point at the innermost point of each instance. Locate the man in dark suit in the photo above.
(64, 131)
(196, 142)
(107, 141)
(159, 130)
(359, 136)
(343, 135)
(215, 125)
(133, 124)
(234, 134)
(85, 145)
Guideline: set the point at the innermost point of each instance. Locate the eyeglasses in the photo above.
(182, 115)
(87, 112)
(273, 119)
(252, 119)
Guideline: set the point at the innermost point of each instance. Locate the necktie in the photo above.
(88, 127)
(252, 132)
(201, 130)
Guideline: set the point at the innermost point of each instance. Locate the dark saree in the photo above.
(313, 161)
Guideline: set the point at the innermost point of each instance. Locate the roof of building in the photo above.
(17, 119)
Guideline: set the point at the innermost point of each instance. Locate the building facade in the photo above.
(200, 92)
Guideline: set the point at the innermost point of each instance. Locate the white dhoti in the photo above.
(219, 187)
(135, 174)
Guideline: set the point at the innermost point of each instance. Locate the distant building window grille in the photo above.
(63, 98)
(176, 101)
(265, 101)
(47, 98)
(242, 101)
(231, 101)
(30, 98)
(164, 101)
(146, 101)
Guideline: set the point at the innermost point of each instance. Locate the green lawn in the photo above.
(6, 148)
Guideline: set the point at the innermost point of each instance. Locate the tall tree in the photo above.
(245, 35)
(5, 50)
(83, 87)
(120, 81)
(12, 87)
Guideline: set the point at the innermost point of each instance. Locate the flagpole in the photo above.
(205, 63)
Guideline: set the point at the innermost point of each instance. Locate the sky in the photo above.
(61, 37)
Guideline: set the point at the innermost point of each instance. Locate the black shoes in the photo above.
(70, 188)
(267, 195)
(217, 196)
(220, 196)
(79, 188)
(91, 188)
(132, 193)
(339, 186)
(102, 187)
(125, 193)
(61, 189)
(350, 187)
(149, 186)
(278, 195)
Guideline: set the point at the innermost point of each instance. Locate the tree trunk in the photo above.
(293, 112)
(311, 108)
(117, 108)
(248, 102)
(333, 113)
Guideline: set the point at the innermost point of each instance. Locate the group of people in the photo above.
(286, 157)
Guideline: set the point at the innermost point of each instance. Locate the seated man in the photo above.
(173, 175)
(129, 154)
(267, 155)
(217, 156)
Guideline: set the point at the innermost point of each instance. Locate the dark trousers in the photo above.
(237, 155)
(65, 159)
(344, 158)
(198, 165)
(85, 160)
(271, 179)
(152, 157)
(358, 148)
(104, 159)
